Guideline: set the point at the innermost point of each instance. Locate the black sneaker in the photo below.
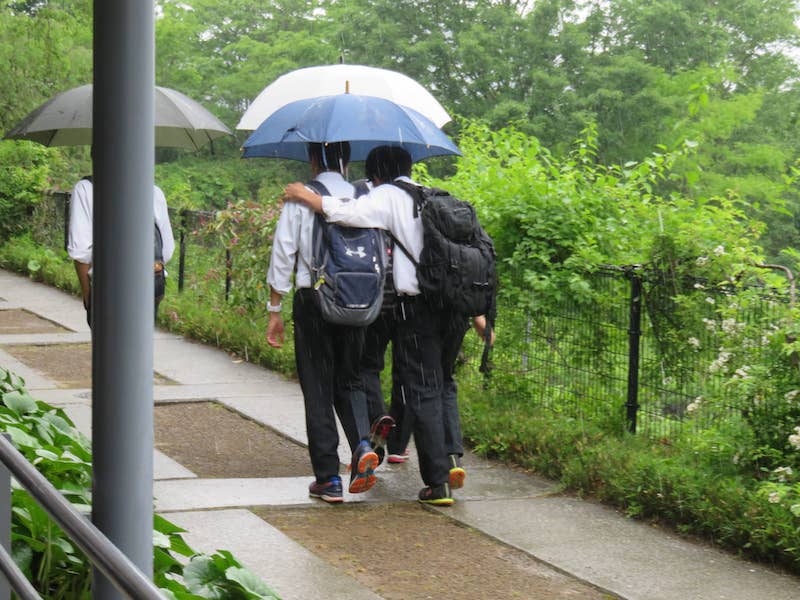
(457, 472)
(438, 495)
(362, 469)
(378, 433)
(329, 491)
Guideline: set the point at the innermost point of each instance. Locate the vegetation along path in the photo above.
(231, 468)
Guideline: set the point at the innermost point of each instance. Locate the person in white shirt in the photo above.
(80, 240)
(423, 340)
(326, 355)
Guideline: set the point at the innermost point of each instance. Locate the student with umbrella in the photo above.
(67, 120)
(80, 241)
(421, 328)
(327, 355)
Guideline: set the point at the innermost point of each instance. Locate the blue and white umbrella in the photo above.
(364, 121)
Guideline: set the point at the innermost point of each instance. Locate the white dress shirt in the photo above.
(291, 244)
(390, 208)
(80, 240)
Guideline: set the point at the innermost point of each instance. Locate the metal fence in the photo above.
(629, 353)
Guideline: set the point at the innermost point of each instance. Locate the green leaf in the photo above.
(20, 402)
(160, 540)
(204, 578)
(22, 439)
(251, 583)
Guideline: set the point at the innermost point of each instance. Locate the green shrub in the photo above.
(24, 174)
(56, 567)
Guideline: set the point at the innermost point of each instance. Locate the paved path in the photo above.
(592, 542)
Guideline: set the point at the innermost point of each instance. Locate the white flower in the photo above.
(783, 473)
(743, 372)
(789, 396)
(774, 497)
(710, 300)
(701, 260)
(693, 341)
(794, 439)
(729, 325)
(719, 362)
(719, 250)
(710, 324)
(693, 406)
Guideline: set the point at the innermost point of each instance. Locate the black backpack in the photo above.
(457, 265)
(347, 267)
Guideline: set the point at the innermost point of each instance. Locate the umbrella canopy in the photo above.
(66, 120)
(364, 121)
(328, 80)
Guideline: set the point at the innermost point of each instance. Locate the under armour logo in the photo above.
(359, 252)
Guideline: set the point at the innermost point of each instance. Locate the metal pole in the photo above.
(5, 520)
(634, 336)
(109, 559)
(182, 255)
(122, 301)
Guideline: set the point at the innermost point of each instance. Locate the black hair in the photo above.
(387, 163)
(333, 156)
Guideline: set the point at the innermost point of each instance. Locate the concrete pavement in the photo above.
(592, 542)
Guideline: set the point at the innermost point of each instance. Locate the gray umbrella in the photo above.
(66, 120)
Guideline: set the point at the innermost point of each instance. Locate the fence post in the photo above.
(5, 521)
(228, 265)
(67, 200)
(634, 337)
(182, 251)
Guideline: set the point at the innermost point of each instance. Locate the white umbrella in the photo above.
(329, 80)
(66, 120)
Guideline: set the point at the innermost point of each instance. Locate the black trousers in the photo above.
(422, 346)
(378, 336)
(327, 358)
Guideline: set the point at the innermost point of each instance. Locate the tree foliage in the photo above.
(646, 74)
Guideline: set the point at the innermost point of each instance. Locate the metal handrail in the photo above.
(16, 578)
(109, 559)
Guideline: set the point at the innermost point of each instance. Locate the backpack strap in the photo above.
(415, 191)
(318, 187)
(361, 186)
(400, 245)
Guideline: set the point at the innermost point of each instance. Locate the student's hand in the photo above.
(298, 192)
(479, 323)
(275, 334)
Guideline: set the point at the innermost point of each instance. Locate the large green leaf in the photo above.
(204, 578)
(21, 439)
(252, 585)
(20, 402)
